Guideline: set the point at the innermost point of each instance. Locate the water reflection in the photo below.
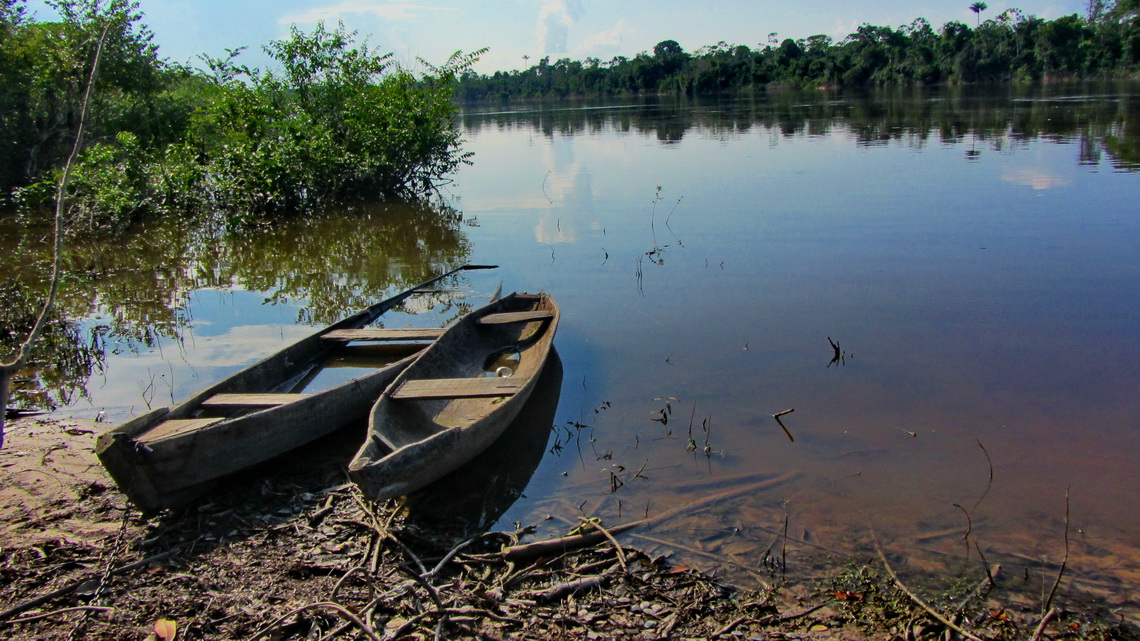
(992, 118)
(135, 291)
(966, 256)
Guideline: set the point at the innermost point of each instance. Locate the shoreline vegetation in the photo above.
(334, 121)
(1009, 47)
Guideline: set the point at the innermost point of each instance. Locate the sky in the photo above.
(520, 32)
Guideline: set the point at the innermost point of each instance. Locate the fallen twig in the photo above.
(70, 587)
(339, 609)
(610, 536)
(563, 590)
(350, 572)
(447, 557)
(730, 626)
(918, 600)
(46, 615)
(464, 611)
(1044, 622)
(563, 544)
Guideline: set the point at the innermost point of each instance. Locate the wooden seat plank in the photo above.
(428, 388)
(174, 427)
(374, 334)
(515, 317)
(235, 401)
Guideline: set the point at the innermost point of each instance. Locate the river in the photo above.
(941, 283)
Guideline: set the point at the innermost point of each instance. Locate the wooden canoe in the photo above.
(171, 455)
(449, 405)
(471, 499)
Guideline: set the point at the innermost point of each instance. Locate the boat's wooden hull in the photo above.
(167, 472)
(171, 455)
(472, 498)
(443, 410)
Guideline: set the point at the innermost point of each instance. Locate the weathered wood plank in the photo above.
(235, 401)
(374, 334)
(428, 388)
(168, 429)
(514, 317)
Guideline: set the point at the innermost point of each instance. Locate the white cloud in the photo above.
(382, 10)
(606, 44)
(840, 29)
(555, 18)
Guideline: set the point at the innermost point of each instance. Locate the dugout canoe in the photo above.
(458, 396)
(171, 455)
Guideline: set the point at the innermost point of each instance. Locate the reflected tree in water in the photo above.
(126, 294)
(996, 117)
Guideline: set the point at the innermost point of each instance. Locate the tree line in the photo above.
(333, 120)
(1010, 46)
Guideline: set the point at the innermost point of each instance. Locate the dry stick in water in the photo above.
(969, 523)
(990, 482)
(754, 487)
(560, 545)
(719, 482)
(1061, 572)
(784, 544)
(777, 416)
(691, 550)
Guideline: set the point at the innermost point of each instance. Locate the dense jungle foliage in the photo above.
(334, 120)
(1011, 46)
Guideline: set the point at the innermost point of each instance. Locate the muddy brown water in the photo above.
(969, 255)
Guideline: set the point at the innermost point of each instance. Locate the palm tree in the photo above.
(978, 8)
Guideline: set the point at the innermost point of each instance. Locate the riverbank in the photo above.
(300, 555)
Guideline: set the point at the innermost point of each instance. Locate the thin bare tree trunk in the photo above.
(10, 368)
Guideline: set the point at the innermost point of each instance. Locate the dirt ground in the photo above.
(301, 555)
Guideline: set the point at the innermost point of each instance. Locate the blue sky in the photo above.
(512, 29)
